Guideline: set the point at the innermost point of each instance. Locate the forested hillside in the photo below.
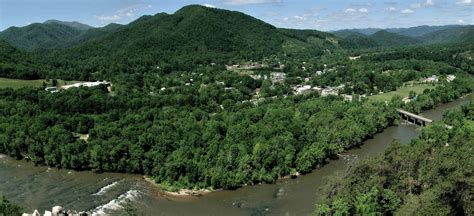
(384, 38)
(39, 36)
(15, 63)
(454, 34)
(430, 176)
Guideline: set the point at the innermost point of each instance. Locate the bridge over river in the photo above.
(414, 118)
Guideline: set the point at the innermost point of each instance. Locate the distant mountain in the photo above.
(419, 31)
(416, 31)
(358, 41)
(350, 39)
(193, 35)
(73, 24)
(366, 31)
(453, 34)
(94, 33)
(53, 34)
(424, 34)
(348, 33)
(39, 36)
(385, 38)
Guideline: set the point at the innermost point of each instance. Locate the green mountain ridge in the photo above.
(454, 34)
(39, 36)
(73, 24)
(385, 38)
(52, 34)
(192, 36)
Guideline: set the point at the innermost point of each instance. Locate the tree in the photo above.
(340, 207)
(367, 203)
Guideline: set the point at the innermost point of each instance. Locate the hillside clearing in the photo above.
(19, 83)
(402, 92)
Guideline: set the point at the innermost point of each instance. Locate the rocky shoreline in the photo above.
(181, 192)
(57, 211)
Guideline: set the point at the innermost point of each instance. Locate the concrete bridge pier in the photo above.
(414, 118)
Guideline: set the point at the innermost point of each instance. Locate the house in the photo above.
(277, 77)
(347, 97)
(318, 89)
(329, 91)
(303, 89)
(450, 78)
(432, 79)
(352, 58)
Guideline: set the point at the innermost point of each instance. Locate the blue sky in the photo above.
(310, 14)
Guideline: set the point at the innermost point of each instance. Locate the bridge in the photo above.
(414, 118)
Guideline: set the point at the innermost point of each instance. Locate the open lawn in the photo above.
(403, 92)
(18, 83)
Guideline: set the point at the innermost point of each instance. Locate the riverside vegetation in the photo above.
(178, 116)
(430, 176)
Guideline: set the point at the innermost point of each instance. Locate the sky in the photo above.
(325, 15)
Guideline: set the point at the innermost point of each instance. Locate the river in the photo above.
(38, 187)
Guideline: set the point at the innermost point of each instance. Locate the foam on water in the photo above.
(104, 189)
(116, 204)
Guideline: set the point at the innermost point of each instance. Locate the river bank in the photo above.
(179, 192)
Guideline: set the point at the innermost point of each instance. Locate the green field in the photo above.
(402, 92)
(18, 83)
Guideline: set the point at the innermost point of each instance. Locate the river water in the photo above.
(37, 187)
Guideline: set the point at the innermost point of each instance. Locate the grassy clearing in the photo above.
(402, 92)
(18, 83)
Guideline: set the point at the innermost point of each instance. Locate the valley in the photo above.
(204, 99)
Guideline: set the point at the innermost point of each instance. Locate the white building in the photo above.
(329, 91)
(432, 79)
(303, 89)
(85, 84)
(277, 77)
(450, 77)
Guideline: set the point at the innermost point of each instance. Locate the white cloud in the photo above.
(112, 18)
(209, 5)
(461, 21)
(360, 10)
(427, 3)
(407, 11)
(245, 2)
(299, 18)
(350, 10)
(363, 10)
(464, 2)
(123, 13)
